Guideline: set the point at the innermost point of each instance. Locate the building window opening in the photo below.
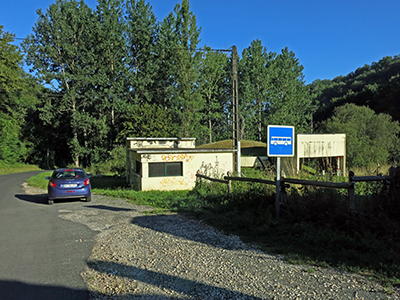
(165, 169)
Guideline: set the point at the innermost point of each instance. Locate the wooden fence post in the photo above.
(229, 183)
(351, 193)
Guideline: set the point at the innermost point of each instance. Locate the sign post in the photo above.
(280, 143)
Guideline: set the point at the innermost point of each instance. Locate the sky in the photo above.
(329, 37)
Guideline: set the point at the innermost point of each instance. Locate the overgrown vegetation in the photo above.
(315, 226)
(9, 168)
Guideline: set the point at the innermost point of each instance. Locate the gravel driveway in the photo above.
(138, 255)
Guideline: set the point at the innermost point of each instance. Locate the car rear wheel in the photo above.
(88, 199)
(50, 201)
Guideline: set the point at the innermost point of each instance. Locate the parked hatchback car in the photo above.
(69, 183)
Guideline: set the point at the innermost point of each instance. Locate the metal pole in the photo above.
(235, 110)
(238, 162)
(278, 187)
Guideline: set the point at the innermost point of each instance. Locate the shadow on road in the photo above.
(112, 208)
(177, 226)
(38, 198)
(42, 199)
(16, 290)
(188, 287)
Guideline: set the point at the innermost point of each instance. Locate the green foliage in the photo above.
(116, 164)
(215, 90)
(376, 86)
(17, 89)
(116, 71)
(311, 219)
(17, 95)
(256, 71)
(39, 180)
(272, 91)
(292, 103)
(10, 168)
(372, 139)
(12, 149)
(141, 34)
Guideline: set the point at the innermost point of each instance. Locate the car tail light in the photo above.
(52, 184)
(86, 181)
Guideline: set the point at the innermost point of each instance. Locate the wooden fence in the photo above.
(285, 183)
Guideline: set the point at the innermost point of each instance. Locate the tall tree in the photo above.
(189, 102)
(17, 89)
(214, 89)
(110, 85)
(179, 71)
(141, 35)
(291, 101)
(256, 73)
(61, 52)
(18, 92)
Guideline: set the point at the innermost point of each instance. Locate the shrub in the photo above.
(372, 139)
(116, 164)
(11, 147)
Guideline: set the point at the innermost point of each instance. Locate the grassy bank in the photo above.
(315, 227)
(9, 168)
(114, 186)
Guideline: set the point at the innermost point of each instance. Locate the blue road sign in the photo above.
(280, 140)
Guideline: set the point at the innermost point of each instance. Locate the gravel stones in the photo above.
(142, 256)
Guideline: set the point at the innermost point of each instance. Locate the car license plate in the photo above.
(69, 185)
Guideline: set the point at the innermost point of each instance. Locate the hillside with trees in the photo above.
(376, 86)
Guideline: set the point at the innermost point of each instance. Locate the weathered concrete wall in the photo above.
(213, 164)
(321, 145)
(154, 143)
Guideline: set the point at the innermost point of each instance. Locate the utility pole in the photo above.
(235, 111)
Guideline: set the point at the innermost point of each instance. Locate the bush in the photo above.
(372, 139)
(11, 148)
(116, 164)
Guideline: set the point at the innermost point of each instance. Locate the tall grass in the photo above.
(10, 168)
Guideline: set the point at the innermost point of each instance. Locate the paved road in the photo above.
(41, 255)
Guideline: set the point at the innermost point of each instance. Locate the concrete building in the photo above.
(172, 163)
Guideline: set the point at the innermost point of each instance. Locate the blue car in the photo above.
(69, 183)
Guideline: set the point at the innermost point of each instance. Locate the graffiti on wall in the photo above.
(172, 182)
(177, 157)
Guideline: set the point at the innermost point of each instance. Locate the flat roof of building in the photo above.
(160, 139)
(180, 150)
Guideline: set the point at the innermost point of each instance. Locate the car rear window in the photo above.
(68, 174)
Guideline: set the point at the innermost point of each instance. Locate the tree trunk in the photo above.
(259, 122)
(210, 129)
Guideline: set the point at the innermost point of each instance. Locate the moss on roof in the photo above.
(249, 148)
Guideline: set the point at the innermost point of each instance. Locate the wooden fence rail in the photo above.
(248, 179)
(369, 178)
(211, 179)
(350, 186)
(334, 185)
